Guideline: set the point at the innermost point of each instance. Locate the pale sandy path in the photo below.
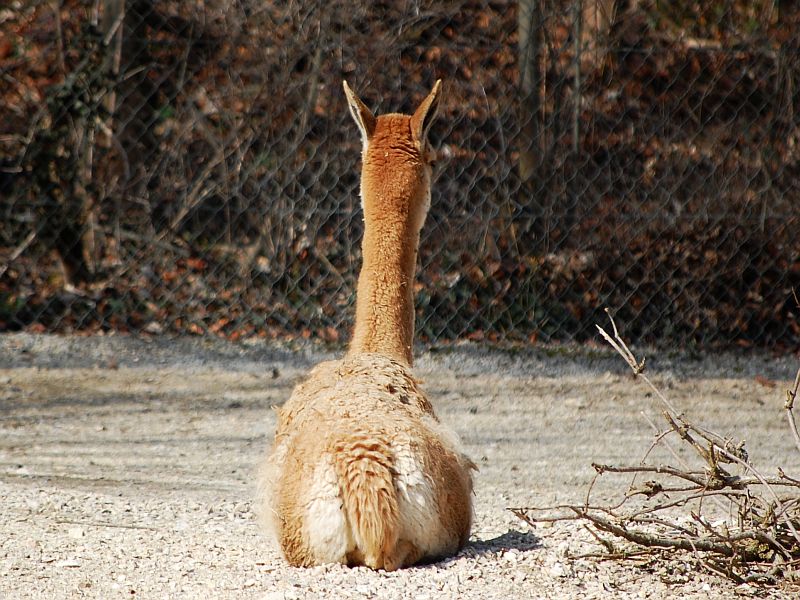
(126, 467)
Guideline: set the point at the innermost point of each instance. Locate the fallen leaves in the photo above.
(673, 202)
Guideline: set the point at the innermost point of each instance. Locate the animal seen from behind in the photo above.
(361, 471)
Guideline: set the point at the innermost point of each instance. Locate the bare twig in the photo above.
(607, 544)
(791, 396)
(17, 252)
(768, 487)
(111, 525)
(638, 367)
(696, 477)
(753, 550)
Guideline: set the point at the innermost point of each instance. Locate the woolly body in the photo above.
(362, 472)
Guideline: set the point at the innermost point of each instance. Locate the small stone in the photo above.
(70, 563)
(512, 555)
(181, 525)
(75, 532)
(154, 328)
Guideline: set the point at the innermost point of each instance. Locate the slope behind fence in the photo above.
(181, 167)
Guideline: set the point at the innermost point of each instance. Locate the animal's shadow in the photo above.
(511, 540)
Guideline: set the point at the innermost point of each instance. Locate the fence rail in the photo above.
(182, 167)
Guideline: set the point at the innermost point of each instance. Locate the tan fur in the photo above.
(361, 471)
(395, 195)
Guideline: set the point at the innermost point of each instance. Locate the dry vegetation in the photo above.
(192, 169)
(715, 508)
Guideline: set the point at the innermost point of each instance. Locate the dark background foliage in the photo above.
(190, 167)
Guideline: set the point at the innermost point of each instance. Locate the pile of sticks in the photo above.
(756, 540)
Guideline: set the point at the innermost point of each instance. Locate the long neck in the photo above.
(385, 297)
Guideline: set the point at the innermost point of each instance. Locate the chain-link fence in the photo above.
(181, 166)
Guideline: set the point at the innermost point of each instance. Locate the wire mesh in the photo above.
(182, 167)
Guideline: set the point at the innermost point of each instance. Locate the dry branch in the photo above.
(791, 396)
(757, 543)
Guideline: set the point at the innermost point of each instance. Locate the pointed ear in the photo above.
(361, 114)
(425, 114)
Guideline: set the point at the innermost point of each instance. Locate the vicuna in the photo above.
(362, 472)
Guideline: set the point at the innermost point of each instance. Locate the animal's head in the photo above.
(397, 158)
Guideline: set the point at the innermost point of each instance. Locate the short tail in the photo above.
(364, 467)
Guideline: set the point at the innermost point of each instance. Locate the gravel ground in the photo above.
(126, 467)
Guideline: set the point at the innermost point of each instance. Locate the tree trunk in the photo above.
(531, 53)
(597, 18)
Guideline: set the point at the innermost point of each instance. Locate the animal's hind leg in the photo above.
(329, 536)
(405, 554)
